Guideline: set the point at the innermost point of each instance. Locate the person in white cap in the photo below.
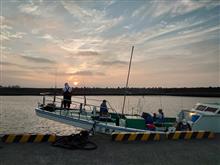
(183, 126)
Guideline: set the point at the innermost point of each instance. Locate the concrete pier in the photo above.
(165, 152)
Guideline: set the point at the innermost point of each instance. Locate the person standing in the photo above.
(103, 109)
(160, 116)
(67, 94)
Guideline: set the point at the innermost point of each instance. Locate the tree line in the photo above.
(200, 91)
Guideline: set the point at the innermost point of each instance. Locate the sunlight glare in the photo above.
(75, 83)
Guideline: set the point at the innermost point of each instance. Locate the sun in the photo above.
(75, 83)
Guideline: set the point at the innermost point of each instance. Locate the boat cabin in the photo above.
(204, 116)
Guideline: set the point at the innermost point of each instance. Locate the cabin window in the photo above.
(218, 112)
(194, 118)
(201, 107)
(209, 109)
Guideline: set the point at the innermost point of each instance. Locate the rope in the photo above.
(76, 141)
(113, 109)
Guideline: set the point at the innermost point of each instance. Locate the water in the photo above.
(17, 112)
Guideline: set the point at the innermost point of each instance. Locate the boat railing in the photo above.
(48, 98)
(97, 100)
(97, 106)
(85, 110)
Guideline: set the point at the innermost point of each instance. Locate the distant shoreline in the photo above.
(193, 92)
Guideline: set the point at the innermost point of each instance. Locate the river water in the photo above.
(17, 113)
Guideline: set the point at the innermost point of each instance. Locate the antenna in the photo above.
(123, 107)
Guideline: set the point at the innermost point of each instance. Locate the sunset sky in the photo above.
(88, 43)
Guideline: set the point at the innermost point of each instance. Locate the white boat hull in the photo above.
(208, 123)
(97, 126)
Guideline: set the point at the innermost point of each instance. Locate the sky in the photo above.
(88, 43)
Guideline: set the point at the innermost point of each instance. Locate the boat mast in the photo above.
(123, 107)
(55, 87)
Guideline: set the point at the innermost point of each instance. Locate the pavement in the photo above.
(165, 152)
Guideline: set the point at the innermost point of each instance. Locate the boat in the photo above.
(203, 116)
(86, 116)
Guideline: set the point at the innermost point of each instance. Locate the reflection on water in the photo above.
(17, 112)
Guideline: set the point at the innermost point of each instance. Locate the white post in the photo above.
(94, 111)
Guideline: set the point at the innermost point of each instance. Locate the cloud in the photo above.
(38, 59)
(95, 21)
(8, 32)
(2, 18)
(173, 8)
(164, 32)
(186, 6)
(4, 49)
(138, 11)
(183, 39)
(23, 66)
(84, 73)
(7, 35)
(82, 14)
(110, 2)
(84, 44)
(16, 73)
(27, 77)
(87, 53)
(92, 39)
(35, 31)
(162, 29)
(88, 73)
(47, 36)
(108, 24)
(128, 27)
(7, 63)
(177, 7)
(18, 35)
(116, 62)
(5, 27)
(71, 45)
(29, 9)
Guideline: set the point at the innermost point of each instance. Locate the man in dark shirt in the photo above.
(103, 109)
(67, 93)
